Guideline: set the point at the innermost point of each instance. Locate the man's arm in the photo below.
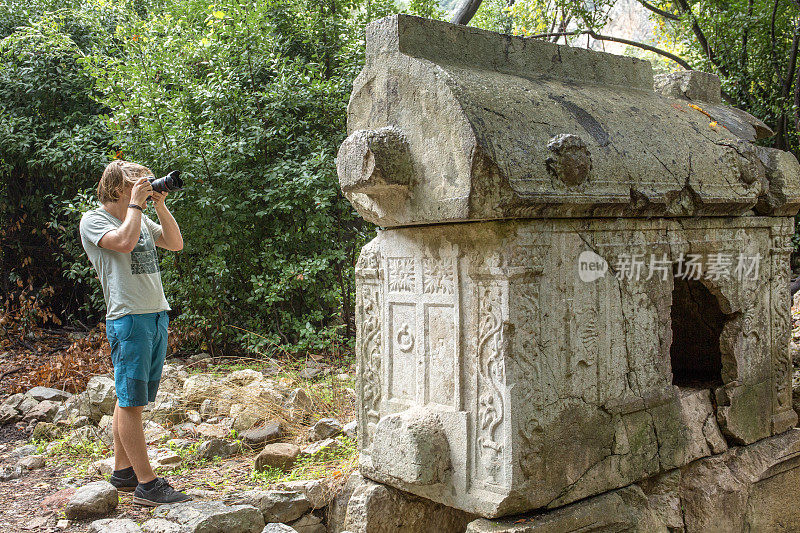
(124, 238)
(170, 238)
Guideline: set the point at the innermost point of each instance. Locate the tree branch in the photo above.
(659, 11)
(594, 35)
(775, 62)
(701, 38)
(466, 11)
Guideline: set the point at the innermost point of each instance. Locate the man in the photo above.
(120, 242)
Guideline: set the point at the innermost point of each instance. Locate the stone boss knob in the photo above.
(570, 160)
(375, 162)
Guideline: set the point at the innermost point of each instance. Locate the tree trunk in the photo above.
(466, 11)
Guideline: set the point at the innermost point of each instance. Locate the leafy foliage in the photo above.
(52, 141)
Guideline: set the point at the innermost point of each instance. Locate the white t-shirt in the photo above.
(131, 282)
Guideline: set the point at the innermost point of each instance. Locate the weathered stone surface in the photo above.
(376, 508)
(110, 525)
(217, 448)
(44, 411)
(689, 85)
(275, 505)
(23, 451)
(281, 455)
(412, 447)
(8, 414)
(309, 523)
(553, 346)
(450, 96)
(48, 393)
(46, 431)
(239, 378)
(167, 407)
(350, 430)
(278, 528)
(101, 396)
(318, 492)
(325, 428)
(27, 405)
(263, 435)
(95, 499)
(212, 517)
(160, 525)
(9, 472)
(299, 404)
(200, 387)
(577, 404)
(32, 462)
(320, 448)
(337, 510)
(750, 488)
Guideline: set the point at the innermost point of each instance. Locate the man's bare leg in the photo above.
(121, 460)
(128, 421)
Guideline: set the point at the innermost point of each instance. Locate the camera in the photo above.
(170, 182)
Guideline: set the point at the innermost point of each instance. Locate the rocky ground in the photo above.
(255, 443)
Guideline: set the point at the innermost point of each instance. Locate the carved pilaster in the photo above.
(369, 343)
(783, 416)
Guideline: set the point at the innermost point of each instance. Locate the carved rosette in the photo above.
(369, 342)
(783, 416)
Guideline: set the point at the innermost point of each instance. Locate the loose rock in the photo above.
(23, 451)
(47, 393)
(278, 528)
(217, 448)
(46, 431)
(110, 525)
(309, 523)
(9, 472)
(44, 411)
(320, 448)
(260, 436)
(275, 505)
(32, 462)
(159, 525)
(94, 499)
(281, 455)
(350, 430)
(214, 516)
(102, 394)
(317, 491)
(325, 428)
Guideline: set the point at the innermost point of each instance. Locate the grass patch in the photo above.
(336, 463)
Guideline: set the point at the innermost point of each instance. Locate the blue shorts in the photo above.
(138, 349)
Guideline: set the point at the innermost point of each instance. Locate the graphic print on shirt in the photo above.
(144, 259)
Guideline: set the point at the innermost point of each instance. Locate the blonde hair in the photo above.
(117, 174)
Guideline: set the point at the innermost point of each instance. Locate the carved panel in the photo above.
(370, 341)
(491, 387)
(780, 322)
(402, 351)
(440, 352)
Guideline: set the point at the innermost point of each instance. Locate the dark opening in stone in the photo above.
(697, 323)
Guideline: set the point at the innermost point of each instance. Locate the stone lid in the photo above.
(452, 123)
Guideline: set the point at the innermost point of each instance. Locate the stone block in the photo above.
(552, 386)
(451, 123)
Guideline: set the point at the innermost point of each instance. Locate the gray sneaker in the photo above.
(161, 493)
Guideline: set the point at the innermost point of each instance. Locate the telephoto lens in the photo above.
(170, 182)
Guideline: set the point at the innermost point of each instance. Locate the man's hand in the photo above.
(141, 190)
(158, 198)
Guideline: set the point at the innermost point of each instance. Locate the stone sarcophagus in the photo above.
(580, 281)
